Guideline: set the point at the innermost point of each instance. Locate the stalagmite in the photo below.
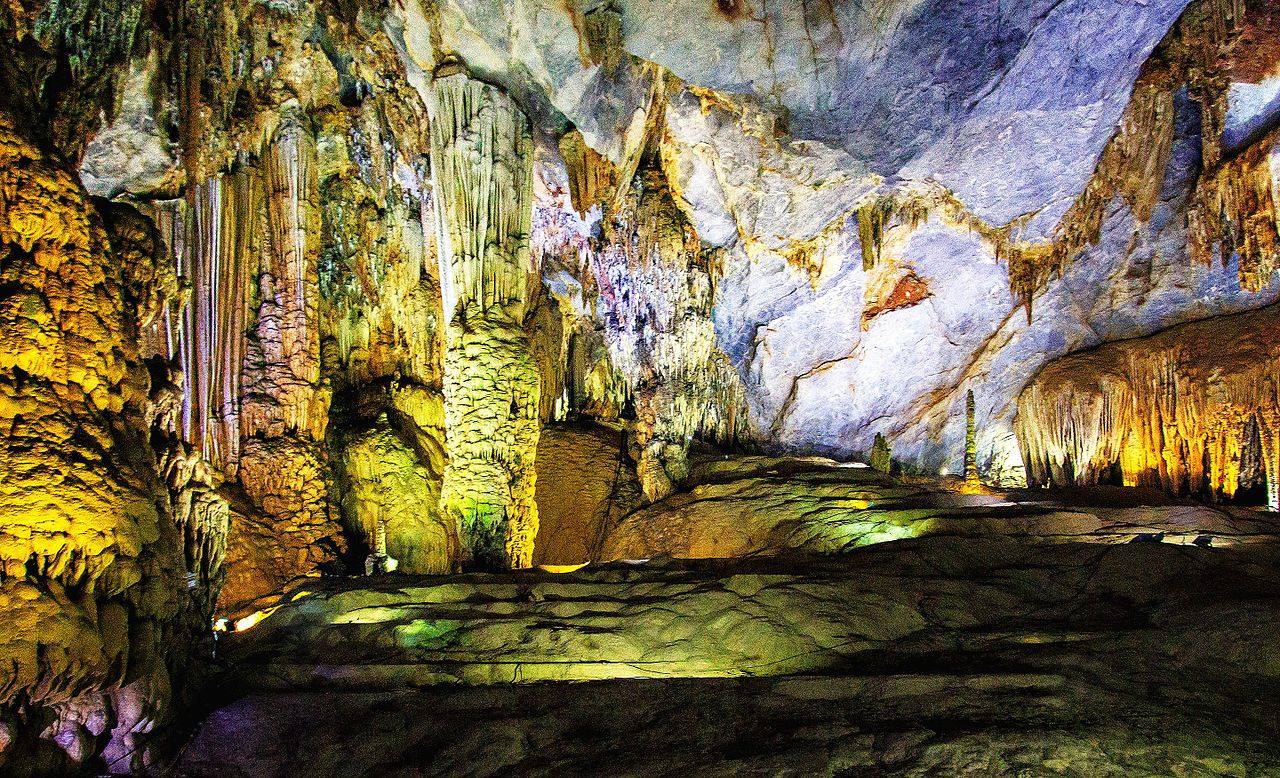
(881, 455)
(1271, 463)
(970, 443)
(481, 171)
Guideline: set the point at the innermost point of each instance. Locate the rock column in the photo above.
(481, 171)
(93, 584)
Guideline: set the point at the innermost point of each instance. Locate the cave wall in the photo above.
(113, 536)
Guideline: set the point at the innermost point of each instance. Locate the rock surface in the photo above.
(400, 239)
(937, 654)
(107, 551)
(760, 505)
(586, 484)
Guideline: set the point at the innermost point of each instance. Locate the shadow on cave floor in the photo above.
(935, 655)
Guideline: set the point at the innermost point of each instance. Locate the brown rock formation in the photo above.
(1179, 410)
(98, 543)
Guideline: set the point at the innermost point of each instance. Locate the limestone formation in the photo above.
(481, 172)
(765, 506)
(108, 554)
(248, 343)
(586, 485)
(656, 290)
(970, 444)
(321, 322)
(1179, 410)
(388, 492)
(881, 456)
(1034, 665)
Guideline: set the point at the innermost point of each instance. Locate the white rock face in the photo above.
(819, 383)
(786, 117)
(132, 155)
(1009, 105)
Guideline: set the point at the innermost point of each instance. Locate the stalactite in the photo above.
(656, 292)
(287, 395)
(593, 180)
(1271, 463)
(481, 172)
(1133, 163)
(1174, 410)
(1233, 208)
(1236, 211)
(213, 237)
(380, 286)
(241, 240)
(872, 218)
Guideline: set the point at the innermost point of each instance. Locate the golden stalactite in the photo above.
(1172, 411)
(593, 179)
(1235, 212)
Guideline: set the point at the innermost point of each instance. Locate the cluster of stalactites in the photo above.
(237, 230)
(1233, 208)
(287, 372)
(1177, 411)
(481, 172)
(1236, 213)
(381, 294)
(656, 287)
(482, 178)
(213, 244)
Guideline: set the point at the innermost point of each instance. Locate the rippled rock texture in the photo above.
(939, 654)
(770, 506)
(111, 549)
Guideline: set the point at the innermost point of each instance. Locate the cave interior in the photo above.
(639, 387)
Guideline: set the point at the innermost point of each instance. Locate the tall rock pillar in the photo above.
(482, 177)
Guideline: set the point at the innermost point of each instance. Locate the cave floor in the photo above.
(935, 655)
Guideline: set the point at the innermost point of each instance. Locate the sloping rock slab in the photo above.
(769, 617)
(759, 505)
